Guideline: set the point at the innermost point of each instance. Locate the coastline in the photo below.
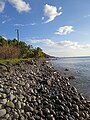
(35, 90)
(77, 67)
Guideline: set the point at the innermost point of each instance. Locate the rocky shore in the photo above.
(34, 90)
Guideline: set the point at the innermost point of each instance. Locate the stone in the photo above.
(2, 112)
(1, 89)
(50, 117)
(16, 115)
(66, 69)
(12, 97)
(10, 104)
(0, 106)
(22, 117)
(31, 118)
(28, 109)
(4, 95)
(22, 83)
(27, 85)
(18, 104)
(8, 109)
(49, 82)
(71, 77)
(76, 115)
(74, 89)
(4, 101)
(39, 92)
(7, 116)
(46, 111)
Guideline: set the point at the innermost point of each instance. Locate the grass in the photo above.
(13, 61)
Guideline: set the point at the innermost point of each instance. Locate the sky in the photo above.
(60, 27)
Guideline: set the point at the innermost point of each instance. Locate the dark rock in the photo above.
(71, 77)
(66, 69)
(50, 117)
(46, 111)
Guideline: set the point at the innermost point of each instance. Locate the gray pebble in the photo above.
(2, 112)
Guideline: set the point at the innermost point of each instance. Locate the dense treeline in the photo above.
(11, 49)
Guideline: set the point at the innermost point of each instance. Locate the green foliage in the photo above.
(2, 41)
(18, 49)
(38, 52)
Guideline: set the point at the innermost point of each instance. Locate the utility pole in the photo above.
(17, 34)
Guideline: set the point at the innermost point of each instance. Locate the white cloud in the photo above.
(4, 37)
(66, 43)
(42, 18)
(86, 16)
(33, 24)
(59, 8)
(51, 12)
(69, 44)
(20, 5)
(23, 25)
(2, 6)
(46, 41)
(64, 30)
(63, 48)
(7, 20)
(3, 21)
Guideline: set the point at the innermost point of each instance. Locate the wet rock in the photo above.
(66, 69)
(71, 77)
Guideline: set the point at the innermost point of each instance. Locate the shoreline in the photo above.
(35, 90)
(80, 80)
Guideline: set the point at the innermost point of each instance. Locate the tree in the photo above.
(2, 41)
(38, 52)
(14, 48)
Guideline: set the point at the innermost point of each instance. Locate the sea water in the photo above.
(80, 68)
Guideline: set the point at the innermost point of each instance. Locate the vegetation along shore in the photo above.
(12, 49)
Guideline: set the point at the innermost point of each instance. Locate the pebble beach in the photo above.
(35, 90)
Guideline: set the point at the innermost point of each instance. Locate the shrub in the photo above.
(7, 52)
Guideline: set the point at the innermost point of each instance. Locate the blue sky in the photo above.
(59, 27)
